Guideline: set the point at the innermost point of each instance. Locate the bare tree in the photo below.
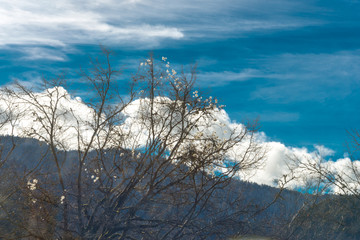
(155, 164)
(331, 208)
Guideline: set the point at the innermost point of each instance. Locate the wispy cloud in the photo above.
(226, 77)
(270, 116)
(139, 23)
(302, 77)
(40, 53)
(63, 23)
(30, 80)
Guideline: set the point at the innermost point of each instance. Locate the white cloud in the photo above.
(302, 77)
(324, 151)
(64, 22)
(38, 53)
(226, 77)
(297, 164)
(270, 116)
(138, 23)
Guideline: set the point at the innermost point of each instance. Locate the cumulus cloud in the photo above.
(324, 151)
(294, 167)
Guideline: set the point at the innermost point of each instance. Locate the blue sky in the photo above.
(293, 64)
